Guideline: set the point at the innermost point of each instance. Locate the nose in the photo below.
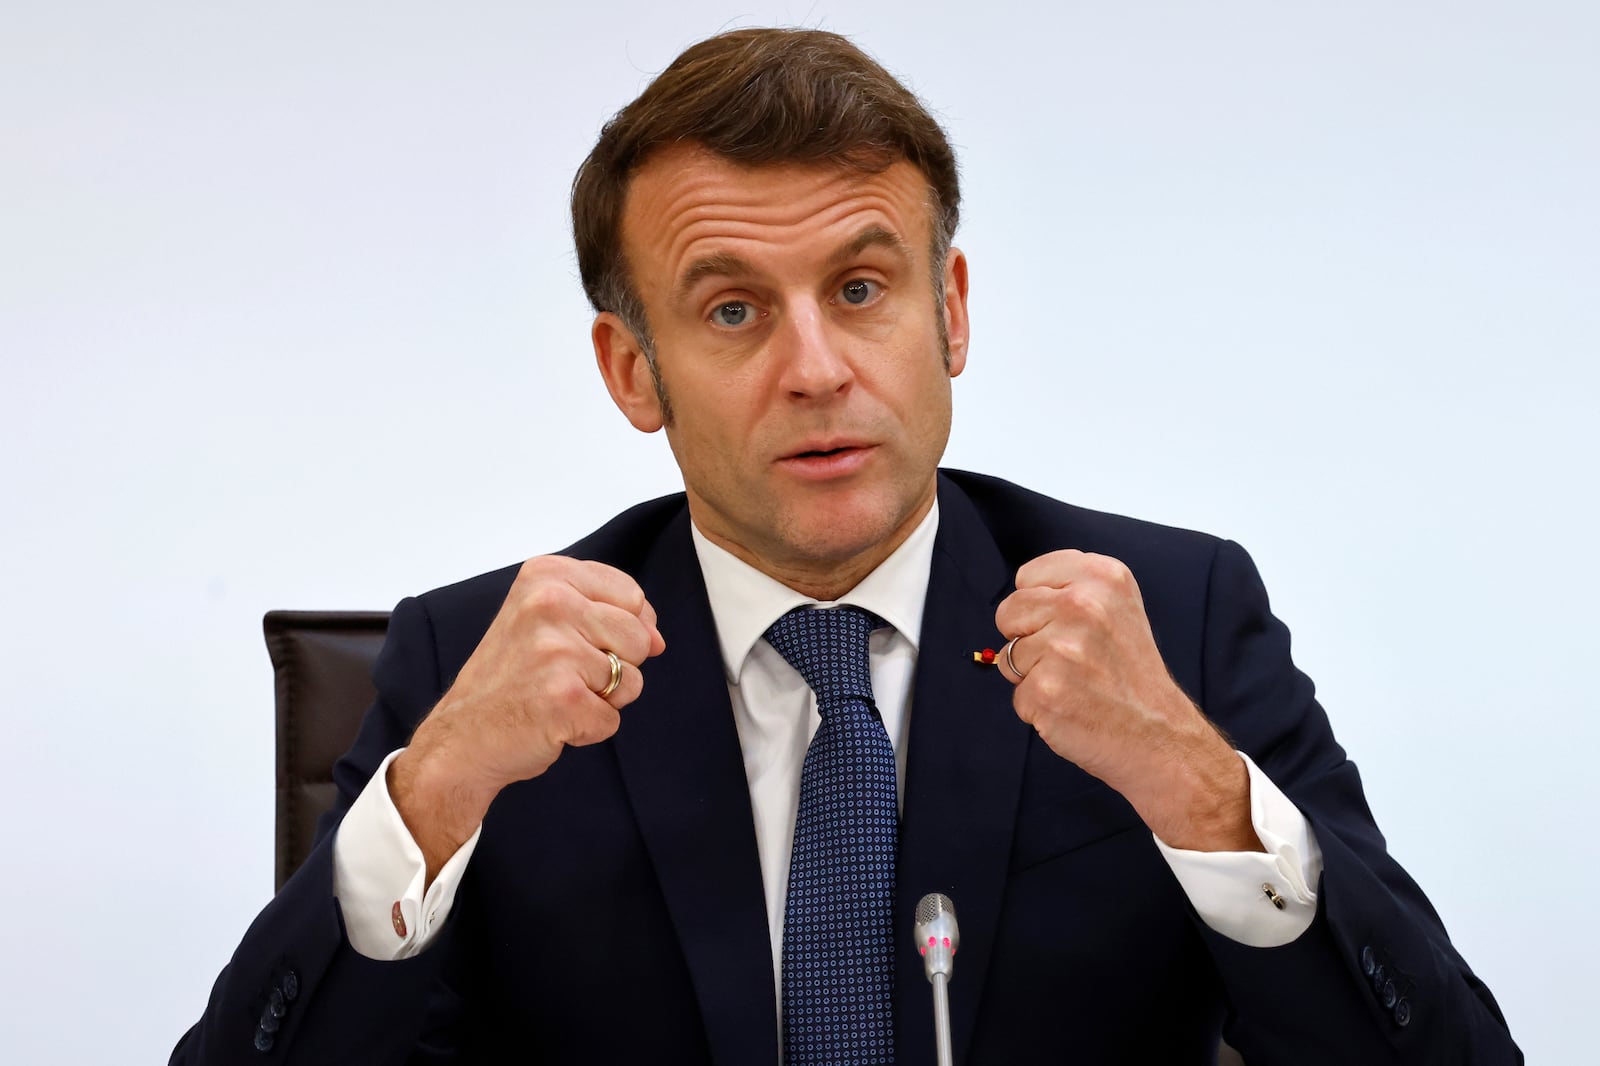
(812, 359)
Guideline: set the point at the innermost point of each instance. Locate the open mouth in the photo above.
(827, 463)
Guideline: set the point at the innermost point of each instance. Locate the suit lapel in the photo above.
(681, 765)
(963, 773)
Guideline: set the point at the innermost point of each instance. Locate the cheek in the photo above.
(712, 438)
(927, 417)
(921, 391)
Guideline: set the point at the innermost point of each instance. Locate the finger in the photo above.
(1056, 569)
(630, 682)
(1083, 572)
(1011, 668)
(658, 643)
(610, 628)
(603, 673)
(1027, 611)
(606, 584)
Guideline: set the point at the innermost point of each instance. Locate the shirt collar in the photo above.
(745, 602)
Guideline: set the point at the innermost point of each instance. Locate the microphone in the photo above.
(937, 939)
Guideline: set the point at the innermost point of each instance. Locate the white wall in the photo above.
(289, 318)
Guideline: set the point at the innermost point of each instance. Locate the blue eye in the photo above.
(733, 313)
(858, 291)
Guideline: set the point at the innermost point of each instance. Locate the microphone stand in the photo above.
(941, 1017)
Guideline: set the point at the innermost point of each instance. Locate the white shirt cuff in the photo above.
(1229, 888)
(379, 874)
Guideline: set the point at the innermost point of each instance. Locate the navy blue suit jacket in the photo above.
(613, 910)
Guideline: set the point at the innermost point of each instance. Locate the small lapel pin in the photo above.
(985, 657)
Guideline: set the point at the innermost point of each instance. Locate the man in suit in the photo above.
(583, 820)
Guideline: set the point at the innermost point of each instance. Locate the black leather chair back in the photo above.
(321, 662)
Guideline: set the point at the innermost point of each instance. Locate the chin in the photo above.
(841, 533)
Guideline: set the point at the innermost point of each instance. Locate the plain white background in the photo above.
(289, 318)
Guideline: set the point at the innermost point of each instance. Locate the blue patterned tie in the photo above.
(838, 959)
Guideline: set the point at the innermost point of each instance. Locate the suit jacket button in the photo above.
(277, 1006)
(1378, 977)
(1389, 995)
(269, 1021)
(290, 985)
(1402, 1013)
(1369, 961)
(263, 1040)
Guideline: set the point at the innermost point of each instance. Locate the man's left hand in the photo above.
(1094, 686)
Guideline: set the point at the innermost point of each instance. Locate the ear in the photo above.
(626, 372)
(956, 325)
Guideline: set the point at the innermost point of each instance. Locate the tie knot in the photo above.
(828, 647)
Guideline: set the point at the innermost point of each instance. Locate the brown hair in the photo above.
(756, 96)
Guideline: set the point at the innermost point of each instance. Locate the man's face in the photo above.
(797, 335)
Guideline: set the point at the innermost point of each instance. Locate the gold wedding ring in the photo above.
(616, 676)
(1009, 662)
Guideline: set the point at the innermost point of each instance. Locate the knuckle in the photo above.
(1093, 609)
(1048, 688)
(570, 689)
(546, 646)
(633, 597)
(593, 617)
(1050, 567)
(597, 725)
(635, 643)
(1084, 602)
(545, 597)
(1065, 648)
(538, 568)
(1109, 569)
(618, 586)
(1025, 705)
(632, 688)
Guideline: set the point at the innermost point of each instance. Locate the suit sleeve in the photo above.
(1375, 977)
(295, 991)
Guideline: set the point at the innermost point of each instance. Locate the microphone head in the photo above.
(937, 935)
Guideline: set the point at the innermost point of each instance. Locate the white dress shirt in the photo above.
(379, 873)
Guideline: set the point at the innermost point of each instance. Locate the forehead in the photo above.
(687, 205)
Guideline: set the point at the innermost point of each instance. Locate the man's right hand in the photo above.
(529, 689)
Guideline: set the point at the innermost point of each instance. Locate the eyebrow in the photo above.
(716, 265)
(871, 237)
(726, 264)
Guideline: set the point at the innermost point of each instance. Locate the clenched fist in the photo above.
(1091, 682)
(530, 689)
